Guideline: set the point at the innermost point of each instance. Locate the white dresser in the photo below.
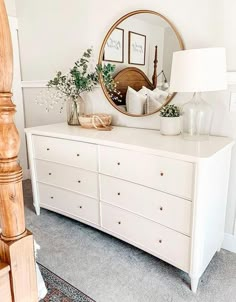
(162, 194)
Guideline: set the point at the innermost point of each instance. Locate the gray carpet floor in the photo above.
(109, 270)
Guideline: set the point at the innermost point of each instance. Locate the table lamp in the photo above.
(198, 70)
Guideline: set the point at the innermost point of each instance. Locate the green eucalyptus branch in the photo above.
(79, 79)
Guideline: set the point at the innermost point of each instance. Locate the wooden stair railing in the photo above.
(16, 243)
(5, 288)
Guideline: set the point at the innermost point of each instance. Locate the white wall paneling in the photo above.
(229, 243)
(231, 77)
(34, 84)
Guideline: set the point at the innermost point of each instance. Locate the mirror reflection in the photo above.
(137, 51)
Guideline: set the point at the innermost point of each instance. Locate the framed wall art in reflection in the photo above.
(137, 48)
(114, 49)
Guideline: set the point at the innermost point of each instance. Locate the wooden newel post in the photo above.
(11, 198)
(16, 243)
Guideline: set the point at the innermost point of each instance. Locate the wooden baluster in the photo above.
(154, 77)
(16, 243)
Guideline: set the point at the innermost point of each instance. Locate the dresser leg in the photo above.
(194, 284)
(37, 209)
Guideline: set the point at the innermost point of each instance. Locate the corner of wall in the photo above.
(229, 243)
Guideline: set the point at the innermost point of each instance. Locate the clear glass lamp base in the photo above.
(197, 119)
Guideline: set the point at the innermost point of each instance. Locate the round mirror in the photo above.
(135, 60)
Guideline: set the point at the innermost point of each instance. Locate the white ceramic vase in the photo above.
(170, 125)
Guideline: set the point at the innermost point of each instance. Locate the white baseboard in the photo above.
(229, 243)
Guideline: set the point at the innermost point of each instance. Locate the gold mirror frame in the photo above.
(181, 44)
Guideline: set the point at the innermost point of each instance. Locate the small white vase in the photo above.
(170, 125)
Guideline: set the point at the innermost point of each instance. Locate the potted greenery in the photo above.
(170, 123)
(69, 87)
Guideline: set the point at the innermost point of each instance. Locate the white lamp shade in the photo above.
(198, 70)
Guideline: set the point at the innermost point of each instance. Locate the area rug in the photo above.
(59, 290)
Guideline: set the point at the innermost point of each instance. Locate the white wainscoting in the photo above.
(230, 239)
(34, 84)
(229, 243)
(231, 77)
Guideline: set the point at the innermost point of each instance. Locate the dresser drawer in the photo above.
(75, 179)
(171, 211)
(163, 242)
(69, 203)
(168, 175)
(77, 154)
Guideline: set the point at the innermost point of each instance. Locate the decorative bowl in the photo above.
(101, 121)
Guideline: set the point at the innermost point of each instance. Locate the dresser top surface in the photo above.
(150, 141)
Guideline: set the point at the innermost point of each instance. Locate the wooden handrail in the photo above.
(16, 243)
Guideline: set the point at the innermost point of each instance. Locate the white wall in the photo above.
(156, 37)
(171, 44)
(227, 120)
(11, 7)
(229, 28)
(53, 34)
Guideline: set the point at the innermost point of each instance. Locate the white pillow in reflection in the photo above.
(135, 102)
(158, 94)
(144, 91)
(151, 105)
